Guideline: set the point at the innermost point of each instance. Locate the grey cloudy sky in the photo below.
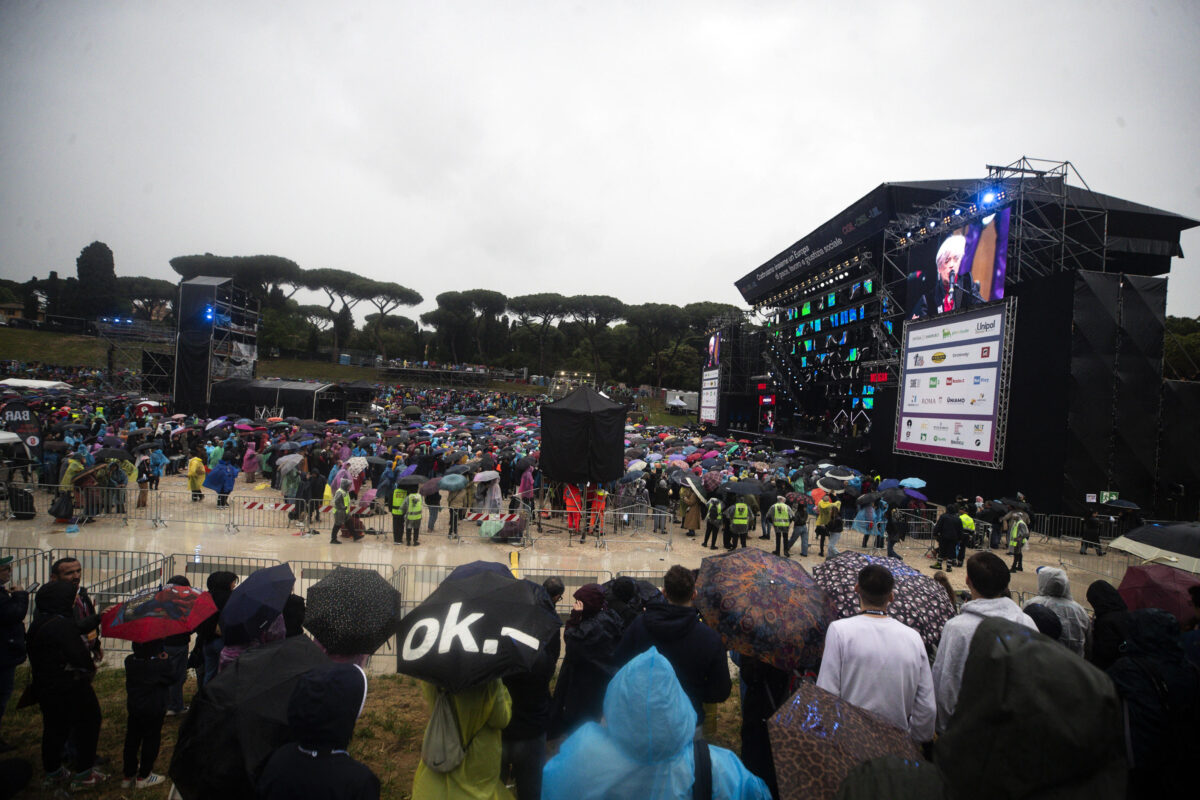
(652, 151)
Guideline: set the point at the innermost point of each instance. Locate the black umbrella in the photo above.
(831, 484)
(105, 453)
(114, 441)
(1122, 505)
(54, 446)
(458, 469)
(868, 499)
(472, 630)
(412, 481)
(255, 603)
(352, 611)
(743, 487)
(142, 448)
(239, 719)
(894, 496)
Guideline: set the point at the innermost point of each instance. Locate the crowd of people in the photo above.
(639, 674)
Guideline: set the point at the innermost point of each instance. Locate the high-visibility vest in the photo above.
(741, 513)
(783, 514)
(968, 522)
(399, 496)
(715, 509)
(342, 501)
(415, 506)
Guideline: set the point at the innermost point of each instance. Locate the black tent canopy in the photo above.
(583, 438)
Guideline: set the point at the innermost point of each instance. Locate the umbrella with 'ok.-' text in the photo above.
(472, 630)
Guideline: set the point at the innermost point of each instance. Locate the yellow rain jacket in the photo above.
(482, 711)
(196, 474)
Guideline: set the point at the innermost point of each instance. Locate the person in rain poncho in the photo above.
(1054, 592)
(250, 462)
(483, 712)
(195, 476)
(644, 747)
(322, 712)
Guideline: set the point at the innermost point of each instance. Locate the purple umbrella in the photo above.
(914, 494)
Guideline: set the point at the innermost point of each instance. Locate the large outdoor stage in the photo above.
(993, 335)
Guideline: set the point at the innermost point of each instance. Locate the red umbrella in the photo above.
(1159, 586)
(158, 613)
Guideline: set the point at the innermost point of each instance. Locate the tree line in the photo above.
(656, 343)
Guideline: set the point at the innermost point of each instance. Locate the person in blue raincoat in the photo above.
(644, 747)
(221, 481)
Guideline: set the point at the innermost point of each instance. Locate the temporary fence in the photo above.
(87, 502)
(602, 528)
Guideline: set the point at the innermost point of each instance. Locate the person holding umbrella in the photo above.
(828, 511)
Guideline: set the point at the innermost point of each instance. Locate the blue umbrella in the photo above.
(888, 483)
(255, 603)
(452, 483)
(913, 483)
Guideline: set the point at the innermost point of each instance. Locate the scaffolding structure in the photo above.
(140, 356)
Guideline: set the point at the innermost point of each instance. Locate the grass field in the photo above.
(387, 738)
(51, 348)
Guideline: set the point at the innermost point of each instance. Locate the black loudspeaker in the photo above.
(1178, 466)
(1138, 388)
(1094, 337)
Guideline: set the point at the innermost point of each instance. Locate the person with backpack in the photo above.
(625, 757)
(829, 524)
(461, 751)
(712, 522)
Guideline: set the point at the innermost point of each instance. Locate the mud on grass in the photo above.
(387, 738)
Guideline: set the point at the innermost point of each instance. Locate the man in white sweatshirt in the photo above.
(987, 578)
(879, 663)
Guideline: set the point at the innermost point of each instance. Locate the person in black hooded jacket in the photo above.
(322, 712)
(62, 670)
(693, 648)
(1161, 692)
(1110, 624)
(523, 740)
(592, 634)
(209, 641)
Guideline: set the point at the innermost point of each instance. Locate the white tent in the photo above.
(26, 383)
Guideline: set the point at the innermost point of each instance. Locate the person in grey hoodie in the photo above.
(1054, 592)
(987, 578)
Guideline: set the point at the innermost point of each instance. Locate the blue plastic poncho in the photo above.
(644, 747)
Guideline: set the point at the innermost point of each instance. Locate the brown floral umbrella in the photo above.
(817, 738)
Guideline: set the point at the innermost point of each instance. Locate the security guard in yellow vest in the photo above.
(399, 498)
(781, 520)
(413, 508)
(738, 515)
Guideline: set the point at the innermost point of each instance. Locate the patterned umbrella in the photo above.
(764, 606)
(920, 602)
(356, 465)
(352, 611)
(817, 738)
(158, 613)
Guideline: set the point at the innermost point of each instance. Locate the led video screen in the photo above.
(960, 270)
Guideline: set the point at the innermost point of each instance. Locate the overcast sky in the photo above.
(655, 151)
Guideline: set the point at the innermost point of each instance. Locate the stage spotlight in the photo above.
(989, 197)
(957, 211)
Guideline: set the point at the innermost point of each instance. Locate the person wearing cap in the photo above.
(14, 605)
